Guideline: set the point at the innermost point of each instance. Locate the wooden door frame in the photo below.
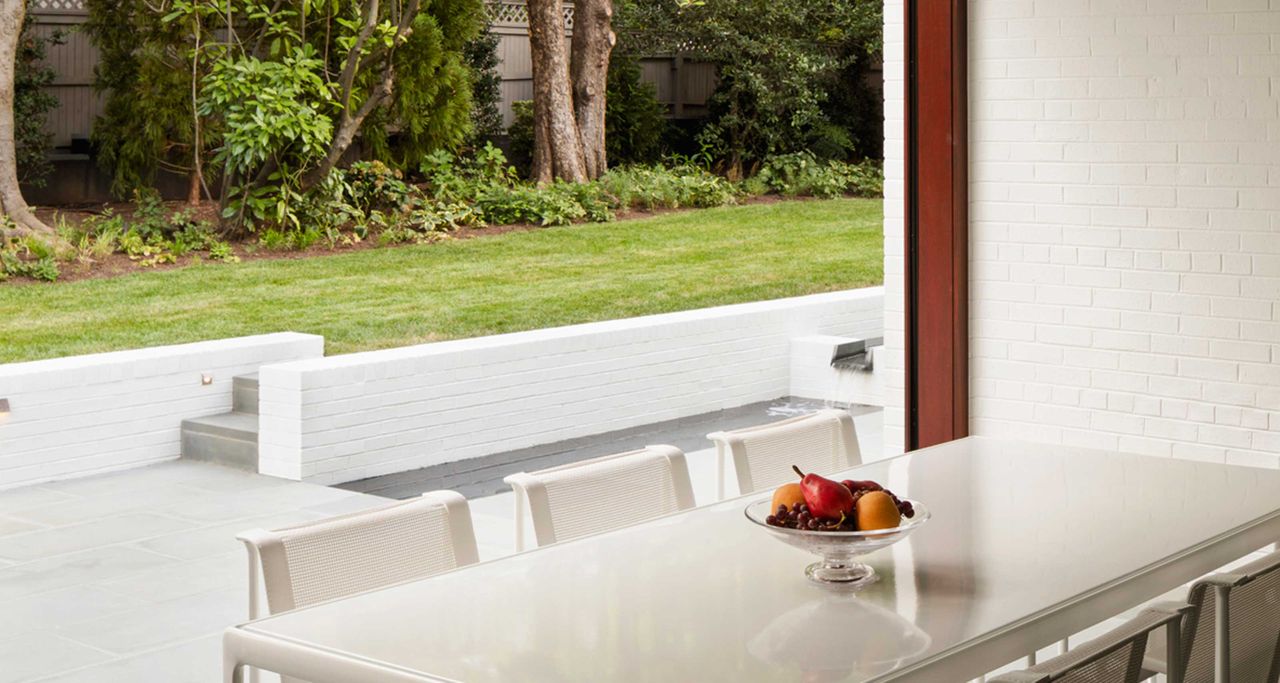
(937, 222)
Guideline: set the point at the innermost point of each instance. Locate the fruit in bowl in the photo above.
(838, 521)
(821, 504)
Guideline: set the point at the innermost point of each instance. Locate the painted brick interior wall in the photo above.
(86, 414)
(892, 360)
(359, 415)
(1125, 204)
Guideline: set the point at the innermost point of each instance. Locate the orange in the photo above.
(789, 495)
(876, 511)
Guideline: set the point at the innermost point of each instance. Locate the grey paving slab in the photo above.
(80, 508)
(43, 543)
(150, 626)
(32, 655)
(181, 579)
(198, 661)
(216, 539)
(90, 566)
(61, 608)
(10, 525)
(26, 498)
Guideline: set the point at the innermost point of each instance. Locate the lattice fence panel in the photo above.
(518, 13)
(36, 6)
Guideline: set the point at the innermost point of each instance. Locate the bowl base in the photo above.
(841, 575)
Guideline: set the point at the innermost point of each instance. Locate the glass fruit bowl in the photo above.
(838, 548)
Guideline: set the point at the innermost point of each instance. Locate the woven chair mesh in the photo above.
(1115, 657)
(361, 552)
(812, 445)
(600, 496)
(1121, 665)
(1254, 627)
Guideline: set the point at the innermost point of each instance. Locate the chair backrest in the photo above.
(1114, 657)
(602, 494)
(332, 558)
(822, 442)
(1253, 623)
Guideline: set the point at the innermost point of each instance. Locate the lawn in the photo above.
(381, 298)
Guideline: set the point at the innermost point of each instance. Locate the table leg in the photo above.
(232, 670)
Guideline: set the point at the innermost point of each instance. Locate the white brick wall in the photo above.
(1125, 181)
(85, 414)
(891, 359)
(347, 417)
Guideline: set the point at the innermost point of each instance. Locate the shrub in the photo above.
(657, 187)
(481, 56)
(802, 173)
(32, 103)
(520, 136)
(635, 122)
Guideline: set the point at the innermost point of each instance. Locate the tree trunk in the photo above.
(12, 13)
(593, 41)
(557, 149)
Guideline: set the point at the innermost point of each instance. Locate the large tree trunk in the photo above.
(593, 41)
(557, 150)
(12, 13)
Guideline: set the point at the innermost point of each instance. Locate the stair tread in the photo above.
(241, 424)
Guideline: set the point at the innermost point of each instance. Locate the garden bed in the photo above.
(247, 249)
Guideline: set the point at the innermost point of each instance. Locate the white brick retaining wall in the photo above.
(87, 414)
(347, 417)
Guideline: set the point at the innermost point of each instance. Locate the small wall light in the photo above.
(4, 410)
(206, 379)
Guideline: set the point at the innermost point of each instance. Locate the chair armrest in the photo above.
(1020, 677)
(1227, 580)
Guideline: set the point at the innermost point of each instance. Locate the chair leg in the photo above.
(1064, 646)
(1222, 635)
(1173, 652)
(232, 670)
(519, 498)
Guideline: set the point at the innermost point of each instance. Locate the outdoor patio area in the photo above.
(133, 576)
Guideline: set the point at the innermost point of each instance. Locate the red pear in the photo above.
(827, 499)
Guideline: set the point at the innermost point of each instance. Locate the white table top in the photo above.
(1027, 544)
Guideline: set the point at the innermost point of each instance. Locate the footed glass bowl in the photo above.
(838, 548)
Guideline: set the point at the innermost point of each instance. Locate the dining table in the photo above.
(1027, 544)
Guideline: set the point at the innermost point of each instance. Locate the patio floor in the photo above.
(132, 576)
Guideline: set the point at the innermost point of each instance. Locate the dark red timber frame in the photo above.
(937, 222)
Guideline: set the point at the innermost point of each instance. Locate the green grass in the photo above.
(381, 298)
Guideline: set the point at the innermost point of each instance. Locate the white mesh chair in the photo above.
(1115, 657)
(822, 442)
(331, 558)
(1240, 643)
(602, 494)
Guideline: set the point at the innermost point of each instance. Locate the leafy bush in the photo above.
(32, 102)
(552, 205)
(635, 122)
(481, 56)
(374, 185)
(658, 187)
(520, 136)
(802, 173)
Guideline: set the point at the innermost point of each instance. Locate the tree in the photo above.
(569, 89)
(293, 90)
(557, 146)
(777, 61)
(12, 16)
(151, 64)
(486, 86)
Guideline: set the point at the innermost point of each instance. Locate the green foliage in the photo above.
(374, 185)
(802, 173)
(32, 103)
(146, 62)
(658, 187)
(520, 136)
(635, 122)
(29, 256)
(778, 61)
(481, 56)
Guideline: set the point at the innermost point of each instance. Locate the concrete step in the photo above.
(229, 439)
(244, 394)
